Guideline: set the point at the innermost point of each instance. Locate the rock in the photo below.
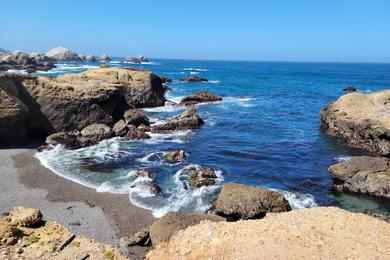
(175, 156)
(140, 238)
(193, 79)
(363, 174)
(120, 128)
(142, 58)
(165, 79)
(94, 133)
(132, 60)
(63, 54)
(237, 201)
(34, 105)
(199, 97)
(189, 119)
(385, 216)
(90, 58)
(320, 232)
(361, 120)
(134, 133)
(25, 217)
(350, 89)
(202, 176)
(105, 57)
(145, 173)
(152, 187)
(164, 228)
(24, 61)
(69, 140)
(135, 117)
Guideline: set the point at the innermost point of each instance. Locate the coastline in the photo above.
(103, 216)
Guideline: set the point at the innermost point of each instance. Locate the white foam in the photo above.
(214, 81)
(166, 108)
(299, 201)
(174, 137)
(342, 158)
(196, 69)
(194, 72)
(15, 71)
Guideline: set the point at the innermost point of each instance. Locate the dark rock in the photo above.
(145, 173)
(105, 57)
(165, 79)
(385, 216)
(238, 201)
(133, 60)
(204, 176)
(189, 119)
(142, 58)
(175, 156)
(68, 140)
(350, 89)
(135, 117)
(363, 174)
(361, 120)
(200, 97)
(24, 61)
(152, 187)
(194, 79)
(140, 238)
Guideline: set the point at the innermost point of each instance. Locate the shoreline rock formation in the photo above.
(361, 120)
(199, 97)
(189, 119)
(363, 174)
(34, 105)
(23, 61)
(193, 79)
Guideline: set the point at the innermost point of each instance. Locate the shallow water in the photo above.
(266, 132)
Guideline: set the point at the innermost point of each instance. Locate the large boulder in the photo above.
(200, 97)
(26, 217)
(363, 174)
(63, 54)
(362, 120)
(189, 119)
(202, 176)
(315, 233)
(34, 105)
(94, 133)
(135, 117)
(237, 201)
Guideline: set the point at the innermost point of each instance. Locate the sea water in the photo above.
(266, 132)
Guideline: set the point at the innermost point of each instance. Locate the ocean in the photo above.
(266, 132)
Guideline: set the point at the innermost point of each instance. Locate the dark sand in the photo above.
(103, 216)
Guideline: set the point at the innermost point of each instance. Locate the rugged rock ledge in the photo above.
(362, 120)
(25, 235)
(323, 233)
(33, 105)
(363, 174)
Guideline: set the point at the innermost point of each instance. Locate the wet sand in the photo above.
(103, 216)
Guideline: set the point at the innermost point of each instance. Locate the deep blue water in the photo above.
(266, 132)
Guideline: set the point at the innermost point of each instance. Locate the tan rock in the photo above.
(26, 217)
(316, 233)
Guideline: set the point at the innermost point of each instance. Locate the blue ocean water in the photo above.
(266, 132)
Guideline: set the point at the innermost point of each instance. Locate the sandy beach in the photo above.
(103, 216)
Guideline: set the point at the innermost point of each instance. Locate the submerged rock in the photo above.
(362, 120)
(237, 201)
(193, 79)
(322, 232)
(200, 97)
(363, 174)
(175, 156)
(189, 119)
(204, 176)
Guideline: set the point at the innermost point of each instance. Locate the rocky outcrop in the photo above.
(193, 79)
(24, 61)
(202, 176)
(362, 120)
(189, 119)
(350, 89)
(63, 54)
(24, 235)
(200, 97)
(238, 201)
(105, 57)
(164, 228)
(175, 156)
(33, 105)
(363, 174)
(137, 60)
(322, 233)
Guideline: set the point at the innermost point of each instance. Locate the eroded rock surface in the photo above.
(200, 97)
(363, 174)
(362, 120)
(189, 119)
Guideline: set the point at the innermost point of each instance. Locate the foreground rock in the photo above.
(362, 120)
(238, 201)
(194, 79)
(24, 61)
(33, 105)
(363, 174)
(44, 241)
(63, 54)
(200, 97)
(164, 228)
(322, 233)
(189, 119)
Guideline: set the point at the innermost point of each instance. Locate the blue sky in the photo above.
(290, 30)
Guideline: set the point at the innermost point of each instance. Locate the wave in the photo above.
(196, 69)
(214, 81)
(194, 72)
(342, 158)
(299, 201)
(15, 71)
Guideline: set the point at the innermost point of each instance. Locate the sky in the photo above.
(289, 30)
